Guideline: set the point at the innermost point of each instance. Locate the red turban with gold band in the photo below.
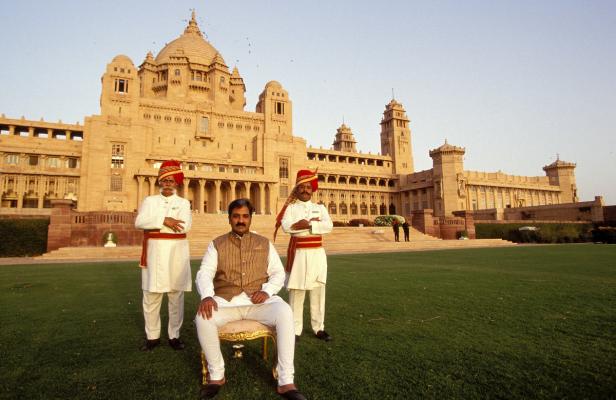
(171, 168)
(303, 176)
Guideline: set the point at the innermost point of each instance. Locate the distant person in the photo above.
(306, 222)
(396, 227)
(165, 260)
(405, 229)
(240, 275)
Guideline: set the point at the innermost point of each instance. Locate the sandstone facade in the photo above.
(187, 104)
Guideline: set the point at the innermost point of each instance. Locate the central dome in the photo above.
(191, 45)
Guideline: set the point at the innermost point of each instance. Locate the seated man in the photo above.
(240, 275)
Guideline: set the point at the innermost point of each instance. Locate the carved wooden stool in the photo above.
(240, 331)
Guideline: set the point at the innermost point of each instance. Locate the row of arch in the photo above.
(356, 180)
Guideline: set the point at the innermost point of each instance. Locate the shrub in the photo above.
(363, 221)
(340, 223)
(23, 237)
(604, 234)
(386, 220)
(546, 232)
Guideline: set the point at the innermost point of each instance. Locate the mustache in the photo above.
(240, 224)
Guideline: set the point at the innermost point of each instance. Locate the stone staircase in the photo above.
(343, 240)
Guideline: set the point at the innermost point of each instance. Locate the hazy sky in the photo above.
(514, 82)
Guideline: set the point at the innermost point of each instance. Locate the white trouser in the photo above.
(151, 313)
(276, 314)
(317, 308)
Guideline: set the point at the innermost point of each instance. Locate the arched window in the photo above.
(353, 208)
(364, 209)
(392, 209)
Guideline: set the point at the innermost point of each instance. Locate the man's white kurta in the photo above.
(168, 260)
(310, 265)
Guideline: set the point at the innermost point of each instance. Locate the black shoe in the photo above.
(150, 344)
(293, 395)
(210, 390)
(323, 336)
(176, 344)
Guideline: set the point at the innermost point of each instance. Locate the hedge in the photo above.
(604, 234)
(546, 232)
(23, 237)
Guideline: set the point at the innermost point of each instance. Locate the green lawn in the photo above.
(523, 322)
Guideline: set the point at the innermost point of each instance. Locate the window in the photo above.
(284, 191)
(177, 72)
(115, 185)
(53, 162)
(33, 161)
(279, 108)
(205, 125)
(222, 169)
(283, 170)
(72, 163)
(222, 80)
(117, 156)
(121, 86)
(192, 167)
(12, 159)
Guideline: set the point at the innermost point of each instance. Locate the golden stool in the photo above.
(239, 331)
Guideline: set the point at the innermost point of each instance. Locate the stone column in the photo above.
(231, 192)
(11, 130)
(217, 197)
(152, 188)
(261, 198)
(140, 180)
(201, 209)
(20, 186)
(185, 188)
(68, 135)
(40, 190)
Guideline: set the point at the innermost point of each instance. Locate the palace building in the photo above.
(187, 104)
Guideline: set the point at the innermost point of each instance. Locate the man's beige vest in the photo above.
(242, 264)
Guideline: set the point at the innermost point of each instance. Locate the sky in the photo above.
(517, 83)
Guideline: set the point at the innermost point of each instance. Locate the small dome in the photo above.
(122, 59)
(273, 85)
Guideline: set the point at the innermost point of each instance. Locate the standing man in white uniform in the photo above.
(240, 275)
(306, 260)
(165, 259)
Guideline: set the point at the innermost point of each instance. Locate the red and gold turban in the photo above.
(303, 176)
(171, 168)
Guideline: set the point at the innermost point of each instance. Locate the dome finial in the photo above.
(192, 24)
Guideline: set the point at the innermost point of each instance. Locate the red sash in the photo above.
(301, 242)
(147, 235)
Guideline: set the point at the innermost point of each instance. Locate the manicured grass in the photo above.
(523, 322)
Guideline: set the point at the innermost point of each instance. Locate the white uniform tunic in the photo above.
(168, 259)
(310, 265)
